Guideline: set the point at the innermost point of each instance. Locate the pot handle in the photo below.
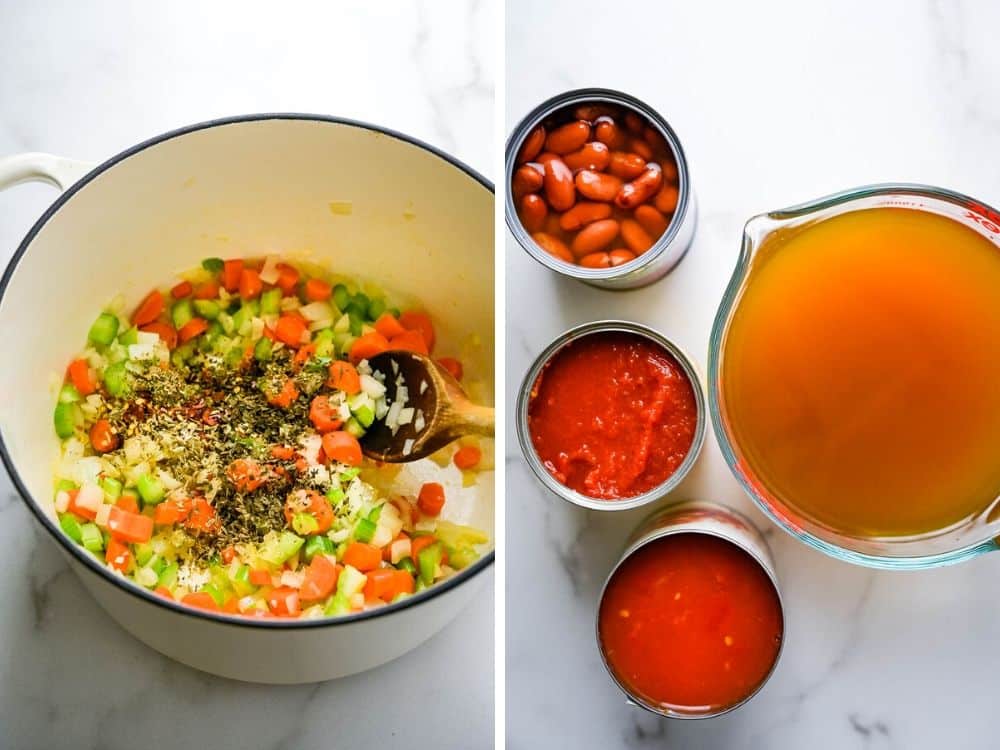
(57, 171)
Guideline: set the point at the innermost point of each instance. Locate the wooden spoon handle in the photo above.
(475, 420)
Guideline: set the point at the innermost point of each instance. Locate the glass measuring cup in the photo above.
(972, 536)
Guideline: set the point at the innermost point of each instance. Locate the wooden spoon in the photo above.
(448, 413)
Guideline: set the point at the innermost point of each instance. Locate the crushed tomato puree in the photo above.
(612, 415)
(690, 622)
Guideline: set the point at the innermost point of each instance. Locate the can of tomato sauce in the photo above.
(643, 244)
(611, 415)
(691, 623)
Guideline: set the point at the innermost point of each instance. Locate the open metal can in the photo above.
(665, 253)
(524, 402)
(695, 517)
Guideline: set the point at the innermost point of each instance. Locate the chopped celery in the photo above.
(340, 297)
(65, 419)
(277, 548)
(394, 312)
(129, 337)
(428, 561)
(91, 537)
(335, 495)
(212, 265)
(365, 416)
(181, 313)
(407, 564)
(112, 488)
(375, 309)
(323, 341)
(399, 597)
(315, 545)
(364, 530)
(243, 316)
(234, 356)
(348, 474)
(180, 355)
(168, 576)
(339, 604)
(207, 308)
(355, 427)
(262, 349)
(375, 514)
(65, 485)
(213, 591)
(241, 581)
(68, 394)
(304, 524)
(357, 323)
(351, 581)
(462, 557)
(71, 527)
(143, 553)
(116, 379)
(226, 321)
(104, 329)
(455, 535)
(270, 302)
(361, 303)
(158, 565)
(151, 489)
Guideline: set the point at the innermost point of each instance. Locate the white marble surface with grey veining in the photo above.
(776, 102)
(88, 80)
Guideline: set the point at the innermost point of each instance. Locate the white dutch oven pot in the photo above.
(421, 227)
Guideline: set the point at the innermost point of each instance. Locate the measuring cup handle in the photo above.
(57, 171)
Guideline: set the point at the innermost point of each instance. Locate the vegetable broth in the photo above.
(861, 372)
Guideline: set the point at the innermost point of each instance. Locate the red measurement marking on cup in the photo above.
(985, 217)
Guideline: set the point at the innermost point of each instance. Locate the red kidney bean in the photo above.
(568, 138)
(594, 237)
(534, 210)
(553, 246)
(558, 182)
(596, 260)
(655, 139)
(532, 145)
(583, 213)
(669, 168)
(545, 157)
(651, 220)
(634, 123)
(626, 165)
(526, 180)
(635, 236)
(591, 111)
(666, 200)
(620, 256)
(642, 148)
(608, 133)
(597, 186)
(641, 189)
(594, 155)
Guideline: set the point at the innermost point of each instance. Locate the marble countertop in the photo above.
(775, 102)
(87, 80)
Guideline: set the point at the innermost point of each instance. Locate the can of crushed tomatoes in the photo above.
(747, 657)
(547, 474)
(666, 251)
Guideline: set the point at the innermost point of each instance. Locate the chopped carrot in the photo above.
(368, 345)
(246, 474)
(170, 512)
(194, 327)
(286, 396)
(290, 330)
(467, 456)
(282, 452)
(250, 284)
(260, 577)
(419, 542)
(202, 517)
(344, 377)
(232, 270)
(343, 447)
(303, 355)
(387, 583)
(181, 290)
(323, 415)
(165, 331)
(81, 376)
(231, 605)
(129, 527)
(431, 498)
(410, 341)
(288, 278)
(452, 365)
(284, 600)
(321, 577)
(79, 510)
(200, 600)
(117, 555)
(102, 437)
(388, 326)
(207, 290)
(387, 549)
(228, 554)
(149, 309)
(322, 512)
(164, 592)
(127, 502)
(362, 556)
(317, 290)
(418, 321)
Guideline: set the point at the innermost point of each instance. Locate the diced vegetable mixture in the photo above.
(210, 447)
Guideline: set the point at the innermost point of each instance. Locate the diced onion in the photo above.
(90, 497)
(103, 514)
(382, 536)
(146, 577)
(406, 415)
(399, 549)
(62, 501)
(418, 423)
(292, 578)
(146, 337)
(407, 446)
(316, 311)
(269, 274)
(357, 600)
(372, 387)
(319, 325)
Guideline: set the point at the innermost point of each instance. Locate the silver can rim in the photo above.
(605, 96)
(524, 399)
(767, 565)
